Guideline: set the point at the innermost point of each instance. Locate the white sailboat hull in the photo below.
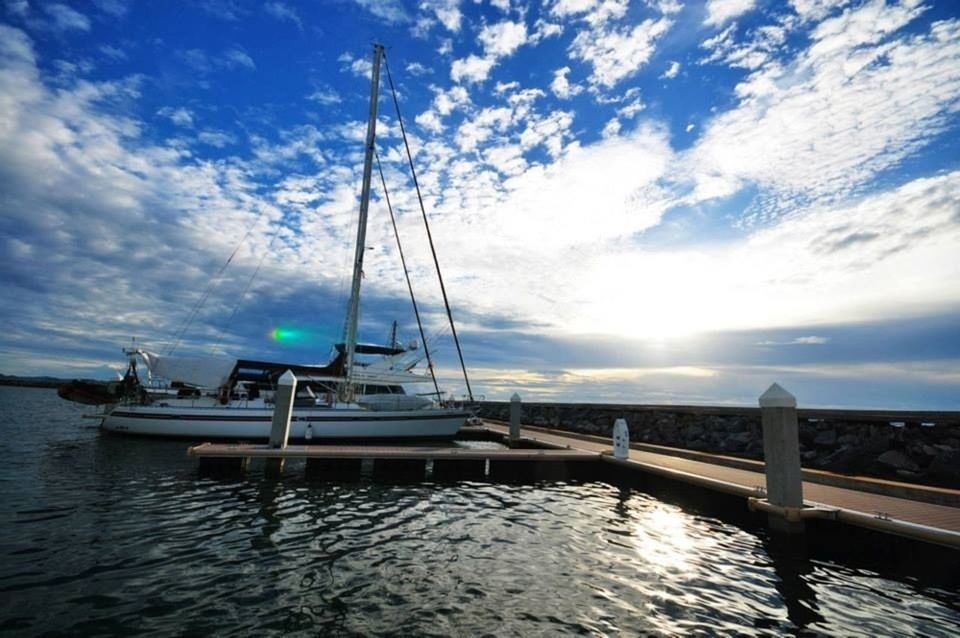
(254, 423)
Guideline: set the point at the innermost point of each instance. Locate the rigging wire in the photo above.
(426, 223)
(406, 273)
(188, 322)
(243, 295)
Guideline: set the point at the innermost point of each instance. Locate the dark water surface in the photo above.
(108, 535)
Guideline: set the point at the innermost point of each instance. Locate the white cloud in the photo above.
(719, 12)
(482, 126)
(507, 159)
(116, 8)
(672, 70)
(445, 102)
(551, 131)
(283, 11)
(611, 128)
(503, 38)
(18, 7)
(390, 11)
(617, 53)
(766, 43)
(360, 67)
(561, 87)
(867, 24)
(218, 139)
(564, 8)
(66, 19)
(863, 261)
(222, 9)
(205, 63)
(416, 69)
(593, 12)
(179, 116)
(812, 127)
(445, 47)
(798, 341)
(543, 30)
(446, 11)
(430, 121)
(236, 57)
(616, 47)
(498, 40)
(471, 69)
(95, 202)
(631, 108)
(325, 96)
(816, 9)
(608, 183)
(113, 52)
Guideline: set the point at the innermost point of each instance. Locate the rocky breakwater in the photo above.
(918, 447)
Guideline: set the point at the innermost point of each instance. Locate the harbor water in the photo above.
(109, 535)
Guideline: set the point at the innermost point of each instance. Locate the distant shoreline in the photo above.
(36, 382)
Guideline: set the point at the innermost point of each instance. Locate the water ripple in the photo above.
(113, 536)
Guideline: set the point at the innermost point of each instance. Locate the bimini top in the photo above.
(202, 372)
(216, 372)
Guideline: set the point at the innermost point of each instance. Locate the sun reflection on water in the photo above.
(664, 541)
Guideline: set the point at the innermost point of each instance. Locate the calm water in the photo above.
(108, 535)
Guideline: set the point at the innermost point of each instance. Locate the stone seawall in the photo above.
(918, 447)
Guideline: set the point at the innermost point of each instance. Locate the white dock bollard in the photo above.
(621, 439)
(283, 410)
(515, 417)
(781, 455)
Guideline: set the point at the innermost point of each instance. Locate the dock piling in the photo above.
(282, 413)
(515, 418)
(781, 453)
(621, 439)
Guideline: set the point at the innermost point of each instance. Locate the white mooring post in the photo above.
(781, 454)
(515, 417)
(621, 439)
(282, 410)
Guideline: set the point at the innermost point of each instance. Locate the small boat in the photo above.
(223, 398)
(90, 392)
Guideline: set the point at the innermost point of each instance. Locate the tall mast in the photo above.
(353, 309)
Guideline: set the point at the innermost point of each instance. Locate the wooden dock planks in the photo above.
(743, 482)
(241, 450)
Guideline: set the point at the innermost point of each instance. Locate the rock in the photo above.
(907, 474)
(857, 459)
(737, 441)
(897, 460)
(826, 438)
(848, 439)
(945, 467)
(698, 444)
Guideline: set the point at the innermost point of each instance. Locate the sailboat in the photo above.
(345, 399)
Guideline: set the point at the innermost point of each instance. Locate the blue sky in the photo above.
(661, 201)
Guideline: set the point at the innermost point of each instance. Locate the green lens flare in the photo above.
(286, 335)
